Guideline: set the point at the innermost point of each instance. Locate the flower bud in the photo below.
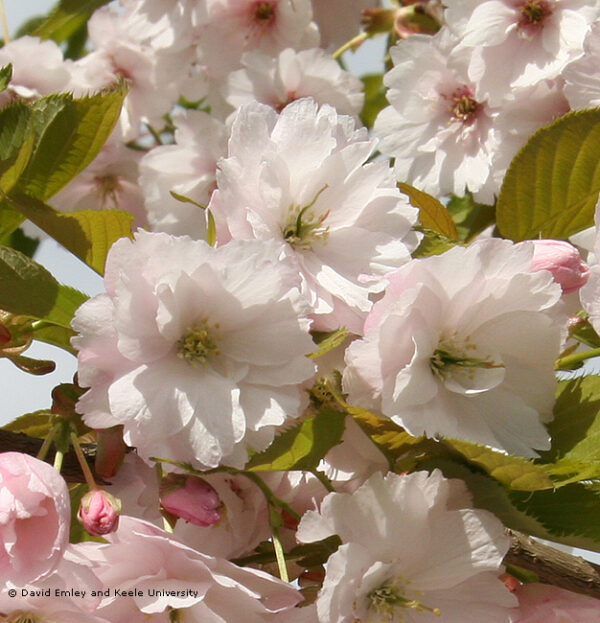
(99, 512)
(192, 499)
(563, 261)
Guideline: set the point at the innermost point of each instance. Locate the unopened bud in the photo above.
(563, 261)
(99, 512)
(192, 499)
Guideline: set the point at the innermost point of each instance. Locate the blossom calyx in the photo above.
(192, 499)
(99, 512)
(563, 261)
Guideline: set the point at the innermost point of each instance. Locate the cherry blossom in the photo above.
(35, 517)
(412, 550)
(301, 178)
(463, 345)
(519, 43)
(291, 75)
(181, 321)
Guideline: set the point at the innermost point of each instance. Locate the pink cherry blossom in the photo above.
(99, 512)
(35, 518)
(563, 261)
(193, 500)
(542, 603)
(170, 575)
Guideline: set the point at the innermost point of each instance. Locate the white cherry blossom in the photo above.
(463, 345)
(182, 321)
(412, 551)
(519, 43)
(301, 178)
(291, 75)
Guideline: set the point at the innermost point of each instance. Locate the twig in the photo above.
(553, 566)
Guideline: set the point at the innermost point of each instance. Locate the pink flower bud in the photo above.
(563, 261)
(196, 501)
(99, 512)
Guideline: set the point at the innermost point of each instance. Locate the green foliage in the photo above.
(432, 213)
(575, 431)
(66, 18)
(512, 471)
(302, 446)
(43, 145)
(432, 243)
(471, 218)
(375, 100)
(21, 242)
(552, 185)
(5, 76)
(70, 133)
(540, 514)
(28, 289)
(326, 342)
(88, 234)
(584, 332)
(36, 424)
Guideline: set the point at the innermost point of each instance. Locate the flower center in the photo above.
(387, 598)
(264, 12)
(304, 227)
(463, 106)
(198, 345)
(462, 369)
(533, 15)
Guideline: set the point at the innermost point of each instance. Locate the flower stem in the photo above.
(58, 460)
(274, 518)
(4, 23)
(41, 455)
(352, 44)
(572, 362)
(85, 468)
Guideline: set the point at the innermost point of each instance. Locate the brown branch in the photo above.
(71, 470)
(553, 566)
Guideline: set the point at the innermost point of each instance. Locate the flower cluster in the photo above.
(315, 357)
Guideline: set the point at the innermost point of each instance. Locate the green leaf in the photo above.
(328, 341)
(432, 243)
(584, 332)
(28, 289)
(5, 76)
(21, 242)
(88, 234)
(575, 430)
(303, 446)
(471, 218)
(36, 424)
(512, 471)
(568, 513)
(552, 185)
(70, 134)
(375, 100)
(66, 17)
(432, 213)
(534, 513)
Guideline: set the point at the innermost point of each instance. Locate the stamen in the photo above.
(305, 227)
(197, 346)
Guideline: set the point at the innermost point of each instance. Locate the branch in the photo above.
(553, 566)
(71, 470)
